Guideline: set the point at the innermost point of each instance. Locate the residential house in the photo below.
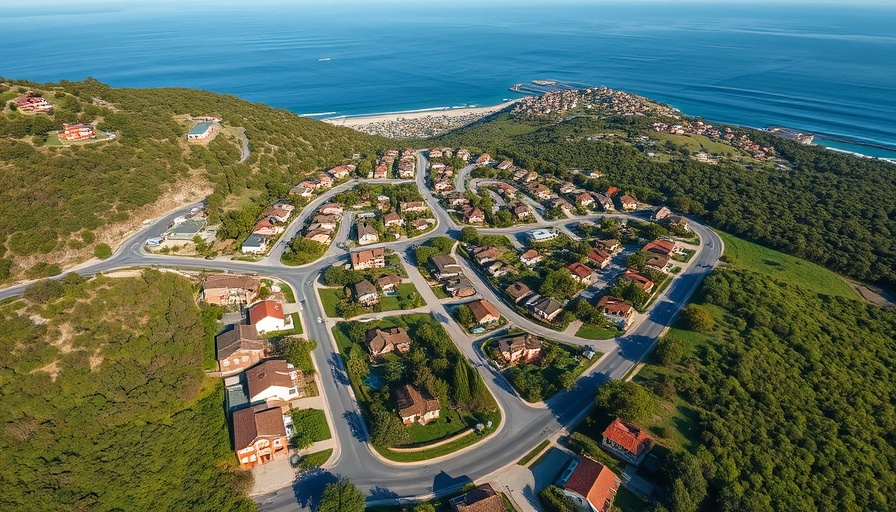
(507, 190)
(628, 203)
(657, 262)
(455, 199)
(255, 244)
(463, 154)
(591, 485)
(612, 191)
(413, 206)
(365, 293)
(616, 310)
(520, 174)
(301, 190)
(482, 498)
(392, 220)
(498, 268)
(600, 258)
(258, 435)
(77, 131)
(518, 291)
(445, 266)
(33, 102)
(437, 167)
(407, 168)
(388, 282)
(559, 202)
(532, 300)
(238, 348)
(341, 171)
(383, 341)
(633, 276)
(367, 234)
(582, 273)
(530, 176)
(484, 159)
(416, 406)
(273, 382)
(381, 172)
(268, 316)
(459, 288)
(524, 348)
(473, 215)
(363, 260)
(609, 245)
(520, 211)
(543, 235)
(421, 224)
(662, 213)
(627, 441)
(331, 209)
(324, 180)
(484, 312)
(484, 255)
(659, 247)
(606, 204)
(321, 236)
(279, 212)
(435, 153)
(530, 257)
(327, 222)
(541, 192)
(677, 221)
(584, 200)
(506, 164)
(567, 187)
(443, 185)
(265, 227)
(309, 184)
(228, 289)
(547, 308)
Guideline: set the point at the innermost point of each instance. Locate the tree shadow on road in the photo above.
(443, 483)
(309, 487)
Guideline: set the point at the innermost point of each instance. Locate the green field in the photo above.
(535, 451)
(330, 298)
(448, 424)
(595, 332)
(626, 501)
(316, 459)
(740, 253)
(696, 143)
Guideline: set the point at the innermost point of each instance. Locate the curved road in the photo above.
(523, 426)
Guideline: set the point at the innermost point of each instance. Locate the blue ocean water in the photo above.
(828, 69)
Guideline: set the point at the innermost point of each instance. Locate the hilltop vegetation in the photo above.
(106, 406)
(67, 200)
(833, 209)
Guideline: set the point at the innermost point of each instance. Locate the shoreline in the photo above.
(407, 115)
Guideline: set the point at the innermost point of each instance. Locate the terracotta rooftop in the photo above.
(594, 481)
(482, 308)
(628, 436)
(265, 309)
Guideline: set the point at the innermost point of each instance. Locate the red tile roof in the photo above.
(612, 305)
(265, 309)
(582, 271)
(594, 481)
(482, 309)
(628, 436)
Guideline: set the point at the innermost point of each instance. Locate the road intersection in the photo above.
(523, 425)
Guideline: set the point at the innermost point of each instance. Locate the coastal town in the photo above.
(540, 280)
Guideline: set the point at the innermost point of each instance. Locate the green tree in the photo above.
(698, 318)
(669, 351)
(442, 244)
(461, 386)
(559, 284)
(630, 401)
(387, 430)
(357, 364)
(357, 333)
(469, 235)
(310, 427)
(102, 251)
(425, 507)
(44, 291)
(553, 500)
(342, 496)
(465, 316)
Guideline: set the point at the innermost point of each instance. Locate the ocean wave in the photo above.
(317, 114)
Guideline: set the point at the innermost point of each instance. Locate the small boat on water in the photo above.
(324, 59)
(544, 82)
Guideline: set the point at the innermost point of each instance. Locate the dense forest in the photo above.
(105, 403)
(830, 208)
(794, 396)
(65, 196)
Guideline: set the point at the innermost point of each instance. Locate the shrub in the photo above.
(102, 251)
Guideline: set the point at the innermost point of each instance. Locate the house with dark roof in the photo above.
(238, 348)
(365, 293)
(258, 435)
(627, 441)
(383, 341)
(547, 308)
(367, 234)
(523, 348)
(416, 406)
(482, 498)
(660, 263)
(484, 255)
(388, 282)
(600, 258)
(591, 485)
(445, 266)
(518, 291)
(273, 382)
(628, 203)
(461, 287)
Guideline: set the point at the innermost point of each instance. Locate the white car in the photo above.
(320, 320)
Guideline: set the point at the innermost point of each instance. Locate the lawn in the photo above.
(316, 459)
(596, 332)
(627, 501)
(449, 423)
(743, 254)
(314, 421)
(696, 143)
(535, 451)
(330, 298)
(440, 293)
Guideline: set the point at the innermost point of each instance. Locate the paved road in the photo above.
(523, 426)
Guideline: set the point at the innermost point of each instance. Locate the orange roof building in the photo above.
(485, 312)
(591, 485)
(627, 441)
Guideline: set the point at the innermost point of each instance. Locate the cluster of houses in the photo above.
(543, 308)
(407, 165)
(273, 222)
(367, 294)
(324, 224)
(268, 385)
(446, 269)
(442, 174)
(324, 180)
(77, 131)
(593, 486)
(33, 102)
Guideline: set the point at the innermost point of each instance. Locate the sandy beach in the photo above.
(404, 125)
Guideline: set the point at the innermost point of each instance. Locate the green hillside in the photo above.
(103, 414)
(68, 199)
